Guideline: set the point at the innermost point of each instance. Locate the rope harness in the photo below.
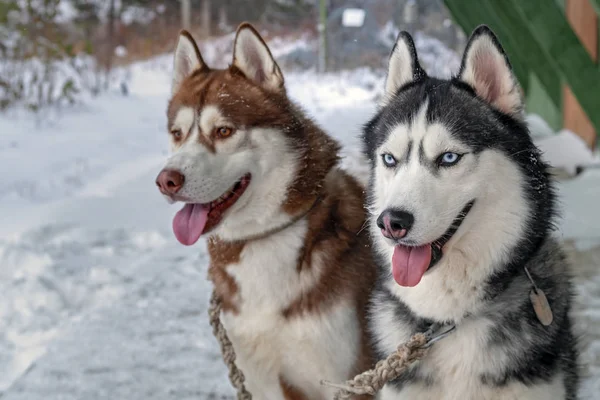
(236, 376)
(369, 382)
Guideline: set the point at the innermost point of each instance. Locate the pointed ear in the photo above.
(403, 66)
(254, 59)
(187, 59)
(485, 67)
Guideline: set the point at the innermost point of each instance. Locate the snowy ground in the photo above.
(99, 301)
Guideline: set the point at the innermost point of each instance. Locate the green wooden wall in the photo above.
(543, 49)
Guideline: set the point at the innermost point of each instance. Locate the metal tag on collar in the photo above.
(437, 332)
(540, 303)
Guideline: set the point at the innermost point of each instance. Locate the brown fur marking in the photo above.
(240, 101)
(223, 254)
(333, 237)
(318, 155)
(290, 392)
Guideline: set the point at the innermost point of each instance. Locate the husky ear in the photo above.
(187, 59)
(254, 59)
(485, 67)
(403, 66)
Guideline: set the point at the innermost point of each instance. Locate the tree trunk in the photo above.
(206, 18)
(110, 45)
(186, 18)
(322, 28)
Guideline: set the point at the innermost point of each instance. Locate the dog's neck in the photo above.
(276, 229)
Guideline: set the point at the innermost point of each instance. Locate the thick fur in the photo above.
(499, 349)
(294, 300)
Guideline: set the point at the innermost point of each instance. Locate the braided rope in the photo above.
(236, 376)
(371, 381)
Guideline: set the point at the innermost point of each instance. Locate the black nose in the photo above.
(395, 223)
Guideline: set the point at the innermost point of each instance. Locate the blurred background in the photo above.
(97, 298)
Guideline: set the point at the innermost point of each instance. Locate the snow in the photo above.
(579, 206)
(99, 301)
(538, 127)
(568, 151)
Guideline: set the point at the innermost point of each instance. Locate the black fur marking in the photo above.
(416, 324)
(406, 160)
(426, 162)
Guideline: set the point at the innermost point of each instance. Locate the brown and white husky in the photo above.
(260, 181)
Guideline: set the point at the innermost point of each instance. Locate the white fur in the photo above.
(400, 67)
(486, 68)
(302, 350)
(184, 121)
(274, 169)
(254, 59)
(185, 62)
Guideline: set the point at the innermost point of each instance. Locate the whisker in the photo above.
(364, 225)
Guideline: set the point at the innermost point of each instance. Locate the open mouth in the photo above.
(196, 219)
(410, 263)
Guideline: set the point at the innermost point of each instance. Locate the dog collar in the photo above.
(281, 227)
(437, 331)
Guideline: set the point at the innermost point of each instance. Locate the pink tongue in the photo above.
(189, 223)
(410, 263)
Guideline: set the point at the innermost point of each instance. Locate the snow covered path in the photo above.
(99, 301)
(153, 342)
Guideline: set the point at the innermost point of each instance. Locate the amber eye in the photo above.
(177, 134)
(224, 131)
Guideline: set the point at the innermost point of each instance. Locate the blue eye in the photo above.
(389, 160)
(448, 159)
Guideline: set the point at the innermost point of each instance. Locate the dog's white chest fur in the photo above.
(455, 365)
(301, 349)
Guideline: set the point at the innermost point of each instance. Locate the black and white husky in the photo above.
(462, 209)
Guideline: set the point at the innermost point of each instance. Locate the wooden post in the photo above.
(110, 42)
(584, 22)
